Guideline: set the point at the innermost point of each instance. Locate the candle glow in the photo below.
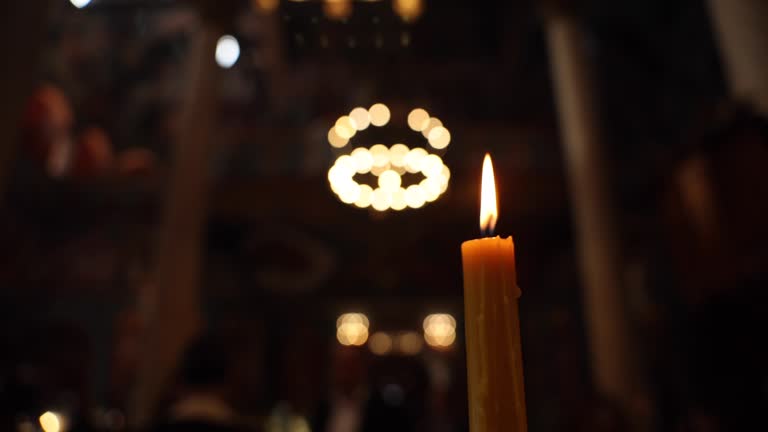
(489, 212)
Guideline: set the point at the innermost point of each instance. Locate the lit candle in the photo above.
(494, 356)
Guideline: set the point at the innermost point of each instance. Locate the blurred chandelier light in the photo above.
(266, 5)
(391, 167)
(440, 330)
(338, 10)
(352, 329)
(408, 10)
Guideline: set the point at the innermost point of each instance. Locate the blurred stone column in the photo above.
(741, 29)
(23, 26)
(171, 304)
(612, 346)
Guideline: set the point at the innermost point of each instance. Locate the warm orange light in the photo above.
(489, 212)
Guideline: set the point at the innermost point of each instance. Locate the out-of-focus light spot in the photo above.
(381, 200)
(380, 154)
(378, 170)
(80, 3)
(51, 422)
(398, 200)
(414, 196)
(352, 329)
(409, 343)
(380, 343)
(433, 123)
(337, 9)
(335, 140)
(361, 117)
(397, 154)
(418, 119)
(298, 424)
(350, 193)
(440, 330)
(431, 165)
(445, 177)
(363, 160)
(408, 10)
(266, 5)
(379, 114)
(432, 189)
(413, 159)
(366, 194)
(389, 166)
(345, 127)
(439, 137)
(227, 51)
(389, 181)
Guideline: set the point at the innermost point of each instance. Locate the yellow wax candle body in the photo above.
(494, 356)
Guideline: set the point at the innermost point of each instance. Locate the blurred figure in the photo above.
(206, 390)
(353, 405)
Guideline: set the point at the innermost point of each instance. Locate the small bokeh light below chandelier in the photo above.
(440, 330)
(408, 10)
(402, 176)
(352, 329)
(337, 10)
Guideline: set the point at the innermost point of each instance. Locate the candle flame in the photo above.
(489, 212)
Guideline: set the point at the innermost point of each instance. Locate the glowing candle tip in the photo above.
(489, 212)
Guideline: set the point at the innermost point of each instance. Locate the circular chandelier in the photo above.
(399, 177)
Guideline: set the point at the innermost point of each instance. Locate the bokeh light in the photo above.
(363, 160)
(440, 330)
(433, 123)
(409, 343)
(381, 200)
(414, 197)
(380, 343)
(413, 159)
(337, 9)
(352, 329)
(418, 119)
(439, 137)
(431, 165)
(397, 154)
(392, 168)
(345, 127)
(379, 114)
(431, 188)
(408, 10)
(380, 154)
(398, 200)
(51, 422)
(361, 117)
(389, 181)
(227, 51)
(335, 140)
(366, 195)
